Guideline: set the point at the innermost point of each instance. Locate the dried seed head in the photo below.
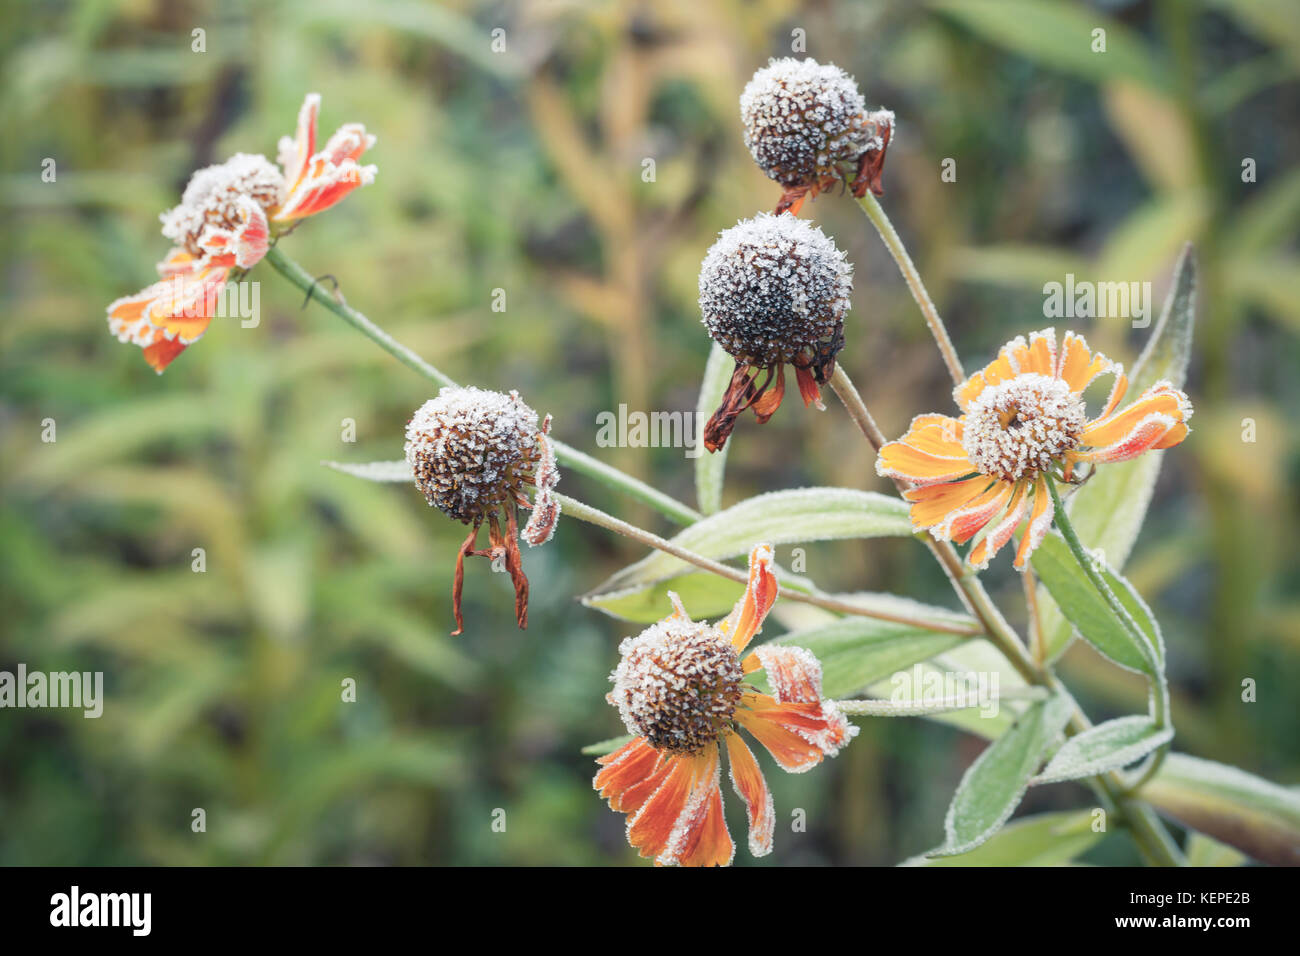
(212, 198)
(473, 450)
(1020, 426)
(773, 287)
(678, 685)
(802, 118)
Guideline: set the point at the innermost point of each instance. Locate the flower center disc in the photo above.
(1019, 427)
(678, 685)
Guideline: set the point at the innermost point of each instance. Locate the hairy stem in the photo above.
(567, 455)
(945, 705)
(573, 508)
(876, 213)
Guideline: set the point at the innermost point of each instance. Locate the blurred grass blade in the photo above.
(1048, 839)
(993, 785)
(1089, 613)
(1109, 746)
(1259, 818)
(710, 466)
(1109, 510)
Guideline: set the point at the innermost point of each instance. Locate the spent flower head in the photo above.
(682, 690)
(773, 290)
(473, 453)
(806, 123)
(1024, 423)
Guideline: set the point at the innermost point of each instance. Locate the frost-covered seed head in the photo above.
(678, 685)
(801, 118)
(212, 197)
(772, 287)
(1020, 426)
(472, 450)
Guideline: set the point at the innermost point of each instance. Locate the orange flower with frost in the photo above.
(681, 690)
(1024, 421)
(227, 219)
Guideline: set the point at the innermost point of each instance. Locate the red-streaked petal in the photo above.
(348, 142)
(296, 152)
(699, 836)
(629, 775)
(794, 673)
(933, 503)
(1040, 521)
(792, 753)
(808, 390)
(797, 733)
(1000, 532)
(747, 616)
(748, 781)
(161, 353)
(322, 186)
(650, 827)
(964, 523)
(1114, 430)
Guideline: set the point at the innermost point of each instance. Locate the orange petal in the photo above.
(797, 733)
(1079, 366)
(933, 503)
(629, 775)
(160, 354)
(1161, 399)
(808, 390)
(295, 153)
(964, 523)
(1000, 532)
(900, 460)
(1040, 520)
(747, 616)
(1042, 352)
(765, 405)
(700, 837)
(747, 779)
(794, 673)
(650, 827)
(323, 186)
(938, 435)
(792, 753)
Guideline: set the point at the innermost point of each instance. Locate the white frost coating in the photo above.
(678, 684)
(802, 117)
(471, 450)
(212, 198)
(794, 672)
(773, 286)
(692, 815)
(1019, 427)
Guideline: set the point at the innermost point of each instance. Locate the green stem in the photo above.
(876, 213)
(573, 508)
(567, 455)
(925, 708)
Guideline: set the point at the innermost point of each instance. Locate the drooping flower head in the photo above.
(773, 290)
(682, 690)
(224, 225)
(806, 123)
(1024, 421)
(473, 453)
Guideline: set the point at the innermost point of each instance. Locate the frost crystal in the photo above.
(678, 685)
(772, 287)
(212, 198)
(801, 118)
(1020, 426)
(472, 450)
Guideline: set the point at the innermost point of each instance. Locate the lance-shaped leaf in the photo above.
(1046, 839)
(779, 517)
(709, 467)
(1259, 818)
(1089, 613)
(1109, 746)
(992, 786)
(1109, 510)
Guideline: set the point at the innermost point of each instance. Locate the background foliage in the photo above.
(522, 171)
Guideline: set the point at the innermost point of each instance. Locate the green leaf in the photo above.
(1059, 36)
(705, 596)
(780, 517)
(1088, 611)
(1047, 839)
(1259, 818)
(856, 651)
(393, 471)
(1109, 746)
(709, 467)
(992, 786)
(1204, 851)
(1109, 510)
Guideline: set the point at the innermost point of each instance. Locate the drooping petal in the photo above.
(933, 503)
(808, 389)
(1140, 426)
(748, 781)
(650, 827)
(798, 734)
(322, 186)
(794, 672)
(699, 836)
(169, 315)
(792, 753)
(1000, 531)
(765, 405)
(746, 618)
(1040, 521)
(296, 152)
(629, 775)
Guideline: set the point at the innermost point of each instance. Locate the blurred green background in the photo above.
(522, 171)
